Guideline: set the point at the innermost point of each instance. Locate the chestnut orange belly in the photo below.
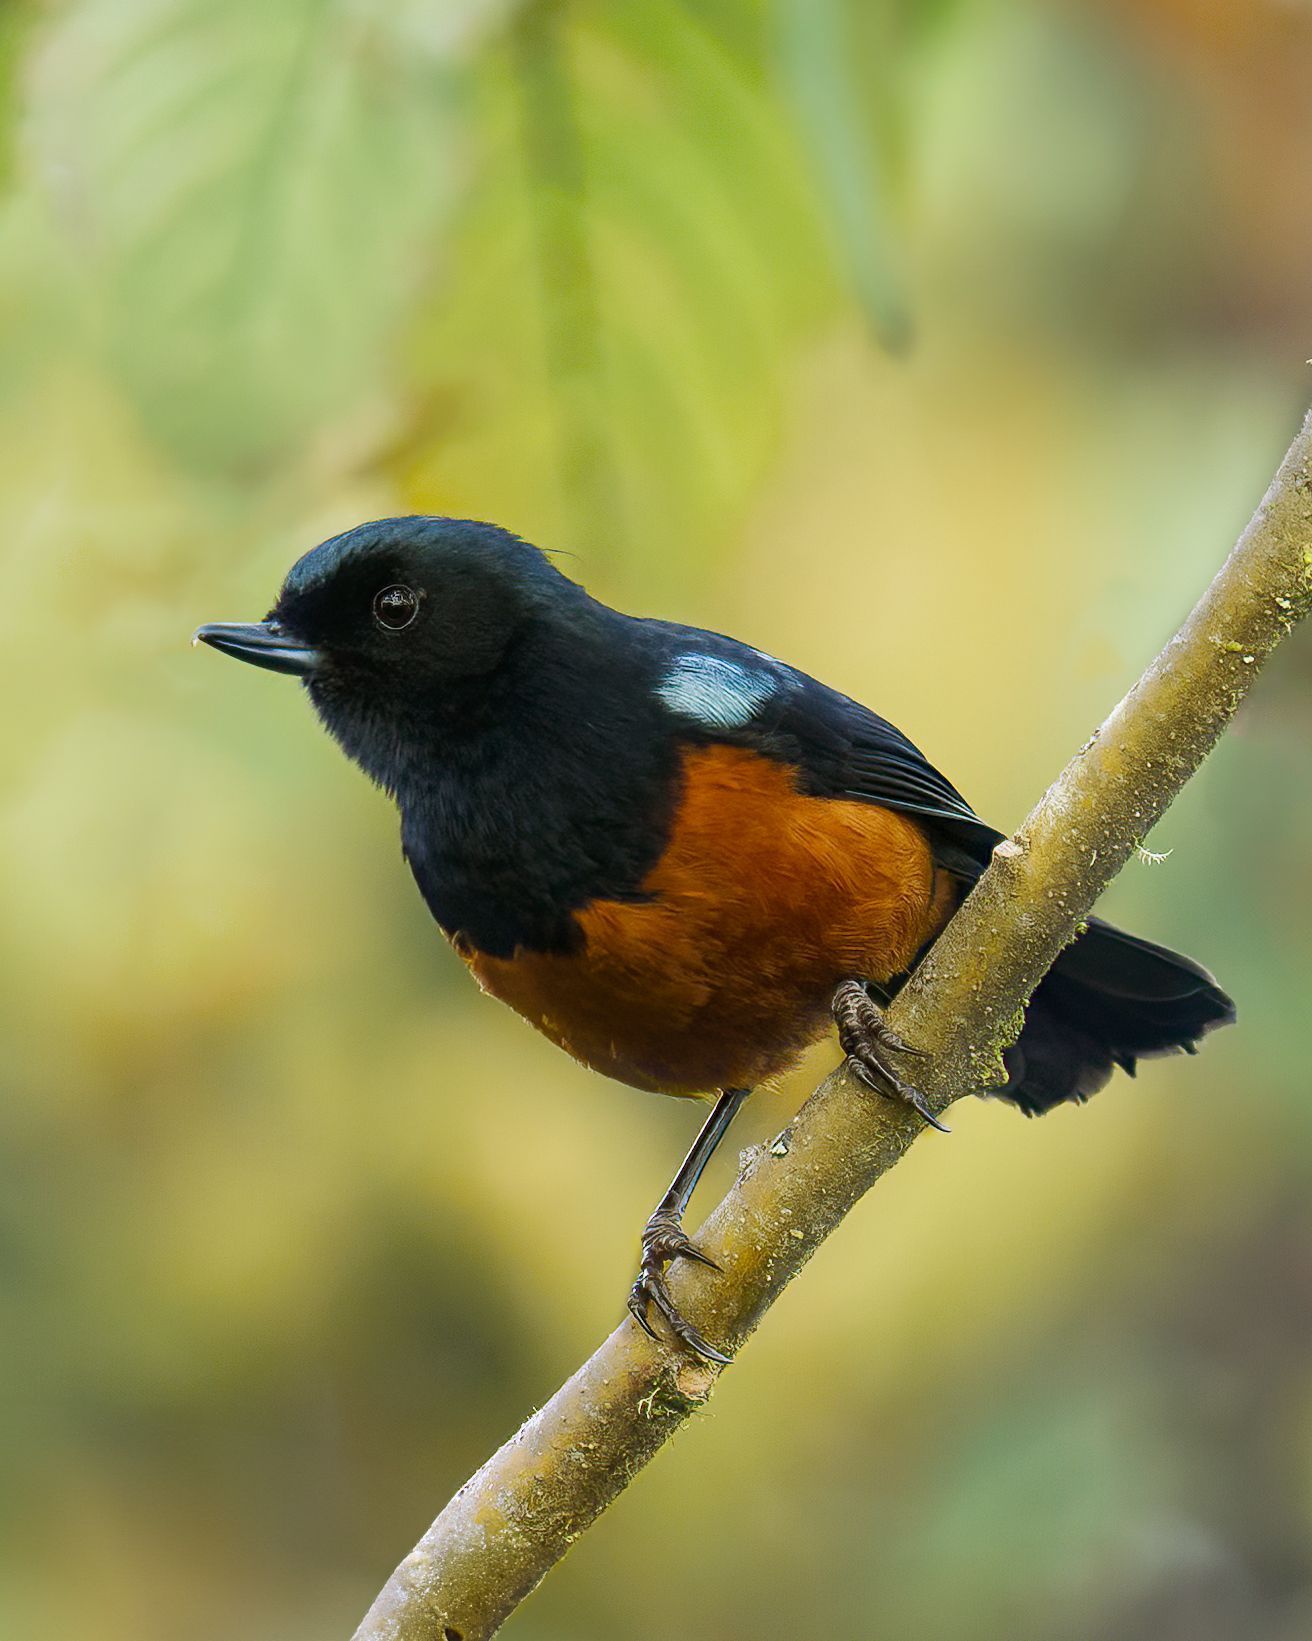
(762, 901)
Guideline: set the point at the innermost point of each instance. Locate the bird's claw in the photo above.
(664, 1240)
(866, 1041)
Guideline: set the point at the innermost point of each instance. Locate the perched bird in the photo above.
(675, 855)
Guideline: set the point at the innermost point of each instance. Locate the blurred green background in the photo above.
(939, 346)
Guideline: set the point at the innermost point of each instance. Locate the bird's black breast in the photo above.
(564, 796)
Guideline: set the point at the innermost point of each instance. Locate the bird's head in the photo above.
(402, 625)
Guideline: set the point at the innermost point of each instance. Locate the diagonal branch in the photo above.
(510, 1523)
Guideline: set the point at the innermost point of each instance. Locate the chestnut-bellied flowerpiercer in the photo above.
(678, 857)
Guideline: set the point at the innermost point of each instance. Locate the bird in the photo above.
(681, 859)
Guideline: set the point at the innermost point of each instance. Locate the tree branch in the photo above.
(510, 1523)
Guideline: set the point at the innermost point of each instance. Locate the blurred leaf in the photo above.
(705, 263)
(818, 50)
(555, 187)
(248, 189)
(16, 20)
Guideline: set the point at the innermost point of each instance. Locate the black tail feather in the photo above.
(1109, 1001)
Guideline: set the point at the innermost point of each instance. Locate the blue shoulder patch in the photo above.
(714, 691)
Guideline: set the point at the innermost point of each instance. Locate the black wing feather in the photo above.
(841, 748)
(846, 751)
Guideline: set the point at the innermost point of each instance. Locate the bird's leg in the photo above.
(664, 1237)
(867, 1042)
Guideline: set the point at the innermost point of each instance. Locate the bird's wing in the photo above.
(722, 690)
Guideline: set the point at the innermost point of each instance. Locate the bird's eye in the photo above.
(396, 607)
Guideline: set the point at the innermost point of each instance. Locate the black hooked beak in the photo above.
(262, 643)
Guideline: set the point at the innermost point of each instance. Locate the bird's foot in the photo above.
(663, 1240)
(867, 1041)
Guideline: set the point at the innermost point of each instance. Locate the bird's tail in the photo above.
(1110, 1000)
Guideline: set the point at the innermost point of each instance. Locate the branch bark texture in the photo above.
(512, 1521)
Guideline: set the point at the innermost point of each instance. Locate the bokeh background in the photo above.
(939, 346)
